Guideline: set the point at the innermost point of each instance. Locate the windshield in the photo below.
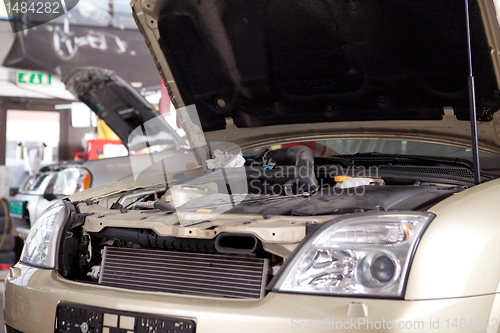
(326, 148)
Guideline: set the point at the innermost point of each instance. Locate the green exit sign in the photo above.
(33, 77)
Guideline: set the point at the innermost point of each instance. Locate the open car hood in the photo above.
(395, 68)
(119, 104)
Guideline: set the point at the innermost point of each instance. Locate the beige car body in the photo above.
(442, 286)
(444, 289)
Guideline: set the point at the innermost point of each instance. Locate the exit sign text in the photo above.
(31, 77)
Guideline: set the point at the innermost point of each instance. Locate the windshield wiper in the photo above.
(402, 158)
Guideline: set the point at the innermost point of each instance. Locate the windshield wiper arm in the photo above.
(391, 158)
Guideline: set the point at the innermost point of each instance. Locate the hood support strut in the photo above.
(472, 104)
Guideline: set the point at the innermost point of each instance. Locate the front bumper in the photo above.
(32, 295)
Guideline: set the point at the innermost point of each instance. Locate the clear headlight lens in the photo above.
(70, 181)
(41, 245)
(367, 254)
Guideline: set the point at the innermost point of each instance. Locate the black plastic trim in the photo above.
(136, 315)
(11, 329)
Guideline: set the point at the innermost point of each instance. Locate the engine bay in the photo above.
(192, 238)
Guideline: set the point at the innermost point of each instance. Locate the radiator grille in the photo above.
(201, 274)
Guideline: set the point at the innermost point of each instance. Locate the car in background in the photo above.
(122, 107)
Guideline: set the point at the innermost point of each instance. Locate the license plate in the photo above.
(72, 318)
(17, 209)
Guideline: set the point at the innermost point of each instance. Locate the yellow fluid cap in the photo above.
(207, 211)
(341, 178)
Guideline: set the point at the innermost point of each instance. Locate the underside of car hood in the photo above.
(291, 62)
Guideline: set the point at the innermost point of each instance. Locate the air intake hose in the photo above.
(303, 158)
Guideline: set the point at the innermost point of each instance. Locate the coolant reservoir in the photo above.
(354, 182)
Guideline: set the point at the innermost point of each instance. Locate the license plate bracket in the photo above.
(74, 318)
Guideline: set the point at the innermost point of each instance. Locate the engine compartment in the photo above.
(191, 237)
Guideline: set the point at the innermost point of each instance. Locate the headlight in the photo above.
(70, 181)
(41, 245)
(365, 255)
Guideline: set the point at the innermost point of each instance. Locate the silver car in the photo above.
(120, 105)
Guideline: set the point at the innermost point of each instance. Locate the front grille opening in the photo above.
(240, 243)
(231, 243)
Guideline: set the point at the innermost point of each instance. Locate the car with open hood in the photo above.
(104, 92)
(341, 183)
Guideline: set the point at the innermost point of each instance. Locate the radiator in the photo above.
(213, 275)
